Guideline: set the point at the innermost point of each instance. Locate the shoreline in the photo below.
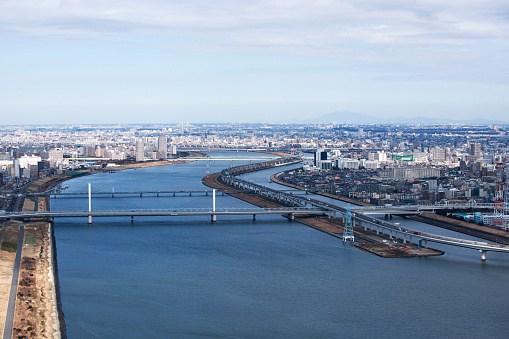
(463, 227)
(44, 316)
(377, 244)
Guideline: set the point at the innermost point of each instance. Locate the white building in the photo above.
(162, 147)
(140, 150)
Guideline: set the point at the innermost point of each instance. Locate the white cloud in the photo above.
(425, 36)
(388, 22)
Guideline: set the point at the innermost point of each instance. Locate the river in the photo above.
(185, 277)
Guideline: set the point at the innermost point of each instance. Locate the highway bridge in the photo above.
(290, 212)
(300, 204)
(360, 215)
(418, 209)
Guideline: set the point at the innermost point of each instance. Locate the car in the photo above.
(415, 232)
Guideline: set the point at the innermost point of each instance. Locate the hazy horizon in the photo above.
(165, 61)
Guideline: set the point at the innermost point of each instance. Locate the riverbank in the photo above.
(379, 244)
(459, 226)
(38, 312)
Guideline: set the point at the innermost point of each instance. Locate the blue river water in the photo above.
(185, 277)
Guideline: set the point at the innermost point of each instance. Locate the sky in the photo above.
(165, 61)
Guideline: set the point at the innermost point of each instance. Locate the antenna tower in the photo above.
(348, 230)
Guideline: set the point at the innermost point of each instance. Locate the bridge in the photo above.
(290, 212)
(360, 217)
(300, 205)
(418, 209)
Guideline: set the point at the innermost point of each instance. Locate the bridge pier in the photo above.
(89, 203)
(377, 229)
(483, 255)
(404, 238)
(254, 217)
(132, 219)
(213, 218)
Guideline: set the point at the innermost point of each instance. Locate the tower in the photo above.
(475, 151)
(162, 147)
(140, 150)
(348, 230)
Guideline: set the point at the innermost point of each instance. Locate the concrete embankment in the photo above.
(380, 244)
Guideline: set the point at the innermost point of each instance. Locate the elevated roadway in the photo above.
(360, 217)
(418, 209)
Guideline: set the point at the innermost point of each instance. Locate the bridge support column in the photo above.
(377, 229)
(254, 217)
(173, 193)
(141, 195)
(89, 202)
(390, 234)
(213, 218)
(158, 194)
(365, 225)
(291, 217)
(483, 255)
(132, 219)
(404, 238)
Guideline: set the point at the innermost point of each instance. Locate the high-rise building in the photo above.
(162, 147)
(17, 169)
(56, 154)
(475, 151)
(439, 154)
(140, 150)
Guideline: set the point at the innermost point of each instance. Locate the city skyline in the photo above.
(164, 62)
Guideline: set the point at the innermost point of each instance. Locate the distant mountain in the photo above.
(342, 117)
